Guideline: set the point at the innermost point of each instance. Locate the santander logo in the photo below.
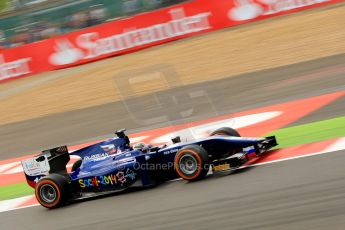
(91, 45)
(65, 53)
(245, 10)
(251, 9)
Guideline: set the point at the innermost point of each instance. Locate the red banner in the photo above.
(141, 31)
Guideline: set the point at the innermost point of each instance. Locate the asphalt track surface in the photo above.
(306, 193)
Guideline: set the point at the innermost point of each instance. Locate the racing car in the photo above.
(115, 165)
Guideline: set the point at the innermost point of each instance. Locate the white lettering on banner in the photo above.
(251, 9)
(276, 6)
(14, 68)
(180, 25)
(96, 46)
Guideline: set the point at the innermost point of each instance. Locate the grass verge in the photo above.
(312, 132)
(15, 191)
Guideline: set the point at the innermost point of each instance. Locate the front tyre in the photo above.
(226, 131)
(191, 163)
(52, 191)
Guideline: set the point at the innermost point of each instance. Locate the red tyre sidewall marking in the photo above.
(45, 181)
(197, 157)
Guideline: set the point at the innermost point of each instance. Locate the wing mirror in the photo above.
(176, 140)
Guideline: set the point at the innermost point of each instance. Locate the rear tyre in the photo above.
(192, 163)
(52, 191)
(225, 131)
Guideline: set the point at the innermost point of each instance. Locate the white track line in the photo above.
(337, 146)
(12, 204)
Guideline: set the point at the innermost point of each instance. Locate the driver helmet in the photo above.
(142, 146)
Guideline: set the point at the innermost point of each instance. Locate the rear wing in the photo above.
(49, 161)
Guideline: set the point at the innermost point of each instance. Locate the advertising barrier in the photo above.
(141, 31)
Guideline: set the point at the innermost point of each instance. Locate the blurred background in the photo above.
(26, 21)
(283, 76)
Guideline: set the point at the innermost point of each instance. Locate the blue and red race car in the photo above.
(115, 165)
